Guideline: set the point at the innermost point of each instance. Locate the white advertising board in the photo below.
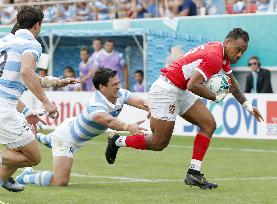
(232, 120)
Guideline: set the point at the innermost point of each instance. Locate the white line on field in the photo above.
(214, 148)
(1, 202)
(122, 179)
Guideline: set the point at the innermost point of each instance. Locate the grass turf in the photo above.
(244, 169)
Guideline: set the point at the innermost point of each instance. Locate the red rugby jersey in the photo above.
(206, 58)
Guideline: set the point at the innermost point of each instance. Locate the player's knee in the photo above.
(210, 127)
(159, 145)
(35, 161)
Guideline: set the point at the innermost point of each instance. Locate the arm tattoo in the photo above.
(236, 90)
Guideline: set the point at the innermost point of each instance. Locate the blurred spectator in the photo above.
(259, 80)
(49, 12)
(110, 58)
(262, 6)
(8, 14)
(66, 12)
(70, 73)
(84, 12)
(188, 8)
(174, 53)
(97, 46)
(42, 72)
(152, 9)
(101, 9)
(169, 8)
(86, 70)
(272, 6)
(123, 8)
(139, 86)
(239, 6)
(213, 7)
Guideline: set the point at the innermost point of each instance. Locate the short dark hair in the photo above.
(97, 39)
(139, 71)
(28, 16)
(84, 49)
(15, 28)
(238, 33)
(102, 76)
(110, 41)
(70, 69)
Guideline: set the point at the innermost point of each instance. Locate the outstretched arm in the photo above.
(138, 102)
(111, 122)
(240, 97)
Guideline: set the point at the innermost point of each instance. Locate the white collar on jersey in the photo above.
(224, 61)
(111, 105)
(26, 33)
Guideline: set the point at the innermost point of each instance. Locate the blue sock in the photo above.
(1, 182)
(41, 179)
(44, 139)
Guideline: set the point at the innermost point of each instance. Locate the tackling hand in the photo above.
(64, 82)
(135, 129)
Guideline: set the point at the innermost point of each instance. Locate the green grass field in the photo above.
(244, 169)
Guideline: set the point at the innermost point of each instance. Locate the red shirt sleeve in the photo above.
(210, 65)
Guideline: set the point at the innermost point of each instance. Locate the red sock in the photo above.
(201, 144)
(136, 141)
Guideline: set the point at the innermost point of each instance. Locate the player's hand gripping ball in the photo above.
(219, 84)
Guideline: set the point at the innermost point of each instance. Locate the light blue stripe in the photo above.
(25, 110)
(46, 178)
(98, 98)
(12, 66)
(85, 132)
(8, 96)
(32, 178)
(74, 134)
(92, 123)
(16, 85)
(19, 48)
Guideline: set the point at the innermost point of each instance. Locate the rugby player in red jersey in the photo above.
(174, 92)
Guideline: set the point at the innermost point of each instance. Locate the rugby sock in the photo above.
(134, 141)
(41, 179)
(44, 139)
(201, 144)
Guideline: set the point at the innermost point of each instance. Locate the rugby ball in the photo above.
(219, 83)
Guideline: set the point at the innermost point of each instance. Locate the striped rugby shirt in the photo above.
(83, 127)
(12, 47)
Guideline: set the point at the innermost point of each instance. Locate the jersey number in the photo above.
(3, 59)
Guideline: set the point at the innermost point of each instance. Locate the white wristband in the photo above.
(25, 111)
(248, 106)
(49, 81)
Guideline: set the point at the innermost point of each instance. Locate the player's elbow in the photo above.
(191, 87)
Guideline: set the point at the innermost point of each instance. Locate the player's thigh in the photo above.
(163, 103)
(198, 114)
(162, 130)
(61, 170)
(31, 151)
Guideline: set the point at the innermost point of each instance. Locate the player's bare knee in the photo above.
(159, 145)
(209, 127)
(35, 161)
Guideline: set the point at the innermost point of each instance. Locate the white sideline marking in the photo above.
(1, 202)
(122, 179)
(213, 148)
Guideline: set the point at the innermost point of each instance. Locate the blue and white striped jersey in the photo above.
(83, 127)
(12, 47)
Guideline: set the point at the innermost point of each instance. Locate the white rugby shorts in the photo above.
(62, 142)
(167, 101)
(14, 131)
